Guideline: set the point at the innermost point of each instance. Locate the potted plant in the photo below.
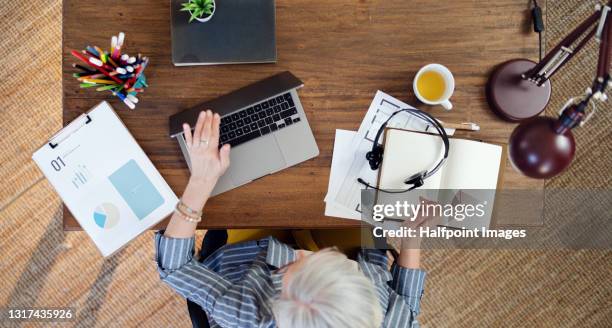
(200, 10)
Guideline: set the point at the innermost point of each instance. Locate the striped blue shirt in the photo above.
(236, 284)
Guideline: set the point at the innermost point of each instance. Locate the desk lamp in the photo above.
(519, 89)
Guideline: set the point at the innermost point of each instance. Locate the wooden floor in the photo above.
(43, 266)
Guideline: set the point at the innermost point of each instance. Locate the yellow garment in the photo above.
(240, 235)
(347, 241)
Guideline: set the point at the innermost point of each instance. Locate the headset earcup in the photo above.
(374, 157)
(416, 180)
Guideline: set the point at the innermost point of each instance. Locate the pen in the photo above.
(120, 39)
(90, 76)
(100, 68)
(100, 52)
(89, 53)
(97, 62)
(87, 75)
(112, 71)
(108, 87)
(141, 80)
(84, 69)
(111, 61)
(130, 83)
(88, 85)
(132, 98)
(467, 126)
(113, 46)
(98, 81)
(92, 51)
(126, 101)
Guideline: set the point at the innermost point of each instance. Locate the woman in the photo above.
(265, 283)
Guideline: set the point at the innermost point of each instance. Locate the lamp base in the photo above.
(513, 98)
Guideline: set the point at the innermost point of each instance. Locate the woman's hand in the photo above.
(208, 162)
(419, 222)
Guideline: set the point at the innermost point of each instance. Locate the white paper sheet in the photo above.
(348, 195)
(341, 162)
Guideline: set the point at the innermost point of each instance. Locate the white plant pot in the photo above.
(206, 19)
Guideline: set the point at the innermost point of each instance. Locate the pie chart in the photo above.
(106, 215)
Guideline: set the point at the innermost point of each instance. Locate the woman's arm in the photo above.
(408, 279)
(409, 258)
(410, 252)
(174, 247)
(208, 163)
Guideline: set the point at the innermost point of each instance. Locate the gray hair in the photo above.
(328, 290)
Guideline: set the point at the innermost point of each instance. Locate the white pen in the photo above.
(120, 39)
(96, 61)
(132, 98)
(468, 126)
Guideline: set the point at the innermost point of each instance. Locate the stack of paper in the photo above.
(349, 163)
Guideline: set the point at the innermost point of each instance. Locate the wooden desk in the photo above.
(343, 51)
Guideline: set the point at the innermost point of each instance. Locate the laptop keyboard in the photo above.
(258, 120)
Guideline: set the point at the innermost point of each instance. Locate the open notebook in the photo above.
(473, 167)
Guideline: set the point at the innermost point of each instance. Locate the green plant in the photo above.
(198, 8)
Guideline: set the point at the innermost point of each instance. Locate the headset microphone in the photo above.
(360, 180)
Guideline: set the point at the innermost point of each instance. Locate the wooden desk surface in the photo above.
(343, 51)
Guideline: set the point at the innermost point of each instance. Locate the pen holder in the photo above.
(113, 71)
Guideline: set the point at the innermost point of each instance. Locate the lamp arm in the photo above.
(562, 52)
(574, 114)
(602, 80)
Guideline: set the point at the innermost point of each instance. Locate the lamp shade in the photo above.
(538, 151)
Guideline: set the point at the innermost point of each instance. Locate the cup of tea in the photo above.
(434, 84)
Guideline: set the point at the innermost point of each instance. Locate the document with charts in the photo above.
(105, 179)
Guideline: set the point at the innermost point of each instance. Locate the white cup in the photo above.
(449, 84)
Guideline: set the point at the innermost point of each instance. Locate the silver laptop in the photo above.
(263, 122)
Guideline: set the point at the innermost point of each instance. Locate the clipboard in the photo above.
(105, 179)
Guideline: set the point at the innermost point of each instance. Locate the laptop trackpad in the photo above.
(255, 159)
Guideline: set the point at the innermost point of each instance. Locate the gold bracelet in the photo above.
(193, 216)
(186, 209)
(187, 218)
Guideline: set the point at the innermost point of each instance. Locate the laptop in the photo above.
(264, 123)
(240, 31)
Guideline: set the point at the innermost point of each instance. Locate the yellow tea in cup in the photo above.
(431, 85)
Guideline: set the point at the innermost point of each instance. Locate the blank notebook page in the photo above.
(471, 165)
(407, 153)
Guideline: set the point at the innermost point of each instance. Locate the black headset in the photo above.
(375, 156)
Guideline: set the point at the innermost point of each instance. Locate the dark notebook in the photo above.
(240, 31)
